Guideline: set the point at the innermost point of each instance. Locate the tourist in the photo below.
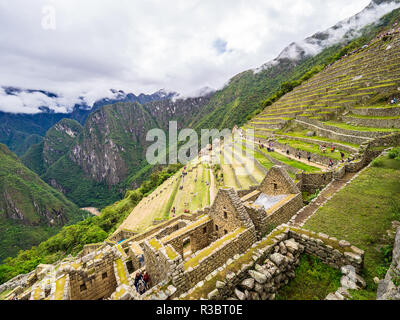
(309, 157)
(330, 163)
(342, 155)
(141, 260)
(136, 282)
(146, 279)
(141, 287)
(287, 152)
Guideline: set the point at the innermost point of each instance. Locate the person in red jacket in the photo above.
(146, 279)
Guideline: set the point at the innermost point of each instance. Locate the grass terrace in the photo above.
(60, 284)
(362, 213)
(229, 175)
(4, 294)
(293, 163)
(314, 281)
(357, 128)
(381, 106)
(373, 117)
(121, 272)
(303, 134)
(312, 148)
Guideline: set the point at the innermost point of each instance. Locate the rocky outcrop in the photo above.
(59, 139)
(113, 142)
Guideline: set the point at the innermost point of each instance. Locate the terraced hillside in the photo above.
(345, 105)
(189, 190)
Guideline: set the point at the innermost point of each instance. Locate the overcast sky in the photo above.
(143, 46)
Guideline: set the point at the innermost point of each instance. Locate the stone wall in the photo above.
(258, 216)
(366, 134)
(280, 250)
(331, 132)
(237, 245)
(376, 112)
(310, 182)
(199, 237)
(94, 280)
(243, 193)
(89, 248)
(314, 157)
(389, 288)
(374, 122)
(228, 213)
(320, 142)
(122, 235)
(284, 213)
(160, 227)
(278, 182)
(159, 265)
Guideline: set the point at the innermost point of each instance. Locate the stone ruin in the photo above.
(182, 254)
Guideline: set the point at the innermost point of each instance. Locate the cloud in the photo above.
(142, 46)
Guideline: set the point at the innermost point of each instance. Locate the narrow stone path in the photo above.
(324, 195)
(213, 187)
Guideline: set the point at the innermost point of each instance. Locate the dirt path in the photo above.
(331, 189)
(213, 188)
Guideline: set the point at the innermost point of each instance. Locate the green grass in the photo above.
(4, 294)
(266, 163)
(303, 135)
(171, 200)
(229, 175)
(121, 272)
(380, 106)
(373, 117)
(379, 86)
(313, 148)
(293, 163)
(314, 281)
(358, 128)
(362, 213)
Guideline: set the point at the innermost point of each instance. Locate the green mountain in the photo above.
(30, 210)
(55, 144)
(94, 165)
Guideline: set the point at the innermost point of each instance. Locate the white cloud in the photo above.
(142, 46)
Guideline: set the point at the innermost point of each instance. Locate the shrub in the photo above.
(394, 153)
(378, 163)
